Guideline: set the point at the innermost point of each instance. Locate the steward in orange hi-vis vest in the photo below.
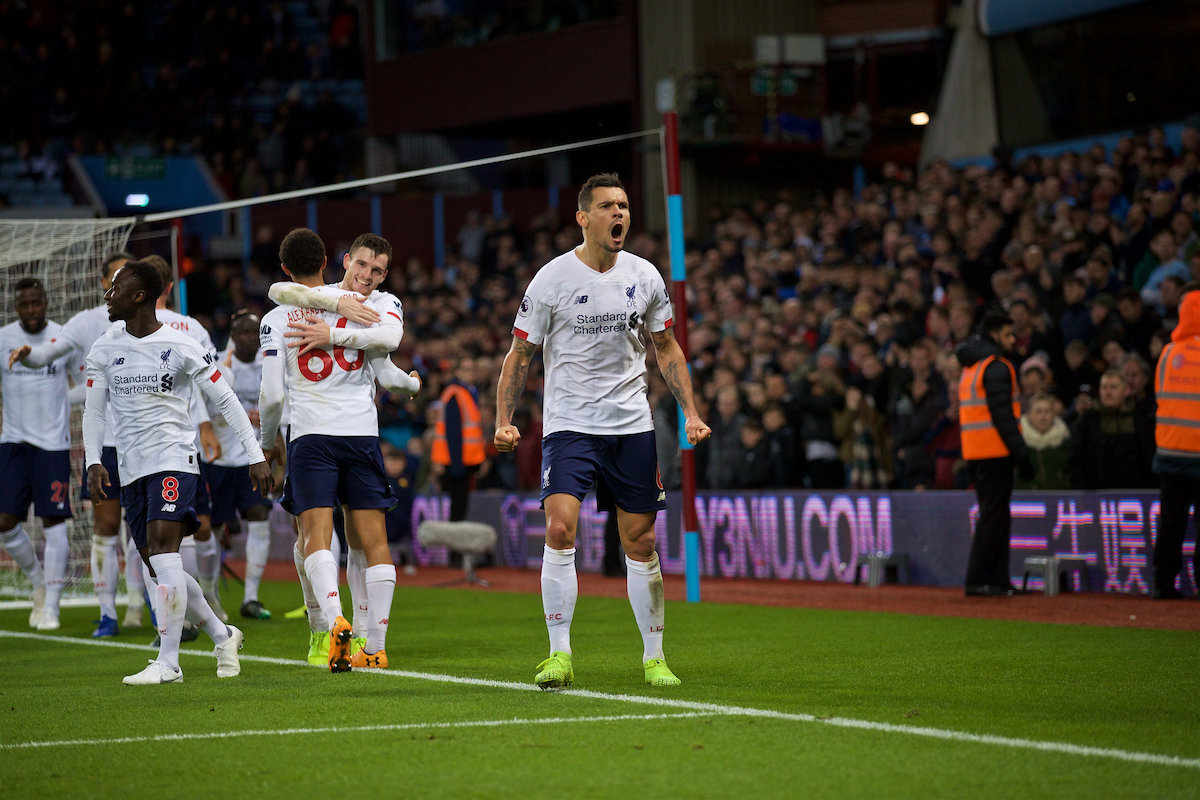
(1177, 434)
(993, 446)
(469, 443)
(980, 439)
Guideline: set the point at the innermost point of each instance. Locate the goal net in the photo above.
(66, 255)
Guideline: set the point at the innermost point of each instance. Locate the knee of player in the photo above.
(639, 543)
(559, 535)
(257, 514)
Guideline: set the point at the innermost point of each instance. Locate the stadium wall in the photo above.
(817, 535)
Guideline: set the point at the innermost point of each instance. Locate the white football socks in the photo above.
(560, 590)
(316, 617)
(380, 581)
(54, 559)
(258, 550)
(323, 573)
(356, 569)
(170, 602)
(20, 547)
(134, 583)
(208, 563)
(187, 551)
(645, 583)
(202, 613)
(105, 572)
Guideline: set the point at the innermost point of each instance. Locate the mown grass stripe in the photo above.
(698, 708)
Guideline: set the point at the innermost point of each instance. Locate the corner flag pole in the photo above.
(687, 462)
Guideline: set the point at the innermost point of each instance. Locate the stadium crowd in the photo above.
(433, 24)
(176, 78)
(822, 333)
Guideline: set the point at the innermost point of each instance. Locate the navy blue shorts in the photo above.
(203, 502)
(30, 474)
(325, 471)
(108, 460)
(164, 495)
(231, 492)
(624, 470)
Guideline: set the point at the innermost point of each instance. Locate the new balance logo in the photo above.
(581, 299)
(168, 507)
(118, 362)
(383, 621)
(331, 594)
(662, 496)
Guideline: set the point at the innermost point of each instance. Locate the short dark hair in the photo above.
(605, 180)
(994, 321)
(373, 242)
(150, 278)
(1073, 280)
(28, 283)
(120, 255)
(302, 252)
(241, 317)
(164, 269)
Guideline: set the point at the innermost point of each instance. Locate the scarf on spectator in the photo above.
(866, 469)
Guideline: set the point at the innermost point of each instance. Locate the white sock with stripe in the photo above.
(323, 572)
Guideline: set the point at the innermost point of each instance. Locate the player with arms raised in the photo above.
(331, 389)
(587, 309)
(141, 368)
(35, 451)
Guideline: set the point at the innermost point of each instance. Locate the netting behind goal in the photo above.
(67, 256)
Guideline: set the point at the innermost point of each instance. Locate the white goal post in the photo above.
(67, 255)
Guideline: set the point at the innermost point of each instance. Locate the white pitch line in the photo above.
(699, 709)
(482, 723)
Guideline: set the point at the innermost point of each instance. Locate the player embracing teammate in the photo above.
(587, 309)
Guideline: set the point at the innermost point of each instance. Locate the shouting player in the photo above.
(77, 338)
(228, 480)
(587, 309)
(323, 385)
(35, 451)
(142, 368)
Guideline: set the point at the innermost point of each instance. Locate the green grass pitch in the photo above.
(776, 702)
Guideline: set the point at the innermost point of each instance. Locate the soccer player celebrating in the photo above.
(366, 266)
(143, 366)
(587, 309)
(77, 337)
(201, 557)
(35, 451)
(228, 478)
(322, 385)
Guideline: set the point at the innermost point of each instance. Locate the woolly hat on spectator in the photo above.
(830, 351)
(1035, 361)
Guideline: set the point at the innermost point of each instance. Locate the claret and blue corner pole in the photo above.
(687, 462)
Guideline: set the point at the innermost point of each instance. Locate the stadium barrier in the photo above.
(800, 535)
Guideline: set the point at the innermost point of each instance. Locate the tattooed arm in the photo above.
(509, 391)
(675, 372)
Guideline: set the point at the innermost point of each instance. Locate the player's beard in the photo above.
(608, 242)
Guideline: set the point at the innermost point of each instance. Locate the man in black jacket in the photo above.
(992, 444)
(1112, 445)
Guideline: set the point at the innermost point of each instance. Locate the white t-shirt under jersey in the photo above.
(145, 379)
(37, 408)
(588, 324)
(328, 390)
(246, 379)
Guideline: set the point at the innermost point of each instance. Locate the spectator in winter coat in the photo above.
(1049, 444)
(724, 447)
(752, 465)
(862, 430)
(1076, 321)
(1112, 445)
(781, 449)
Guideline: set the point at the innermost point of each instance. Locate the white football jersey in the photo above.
(246, 379)
(145, 379)
(327, 389)
(81, 332)
(588, 324)
(37, 408)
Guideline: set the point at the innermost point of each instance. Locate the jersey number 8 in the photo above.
(327, 360)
